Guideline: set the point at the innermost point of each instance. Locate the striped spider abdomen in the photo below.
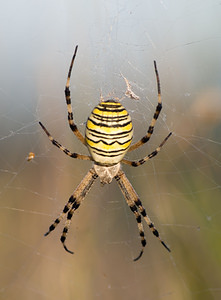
(109, 132)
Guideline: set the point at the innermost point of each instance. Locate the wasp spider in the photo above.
(108, 137)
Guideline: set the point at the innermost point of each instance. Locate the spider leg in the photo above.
(151, 225)
(134, 201)
(65, 150)
(72, 125)
(143, 160)
(155, 116)
(75, 206)
(74, 202)
(60, 217)
(132, 205)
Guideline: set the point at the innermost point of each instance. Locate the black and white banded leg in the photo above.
(72, 125)
(62, 148)
(143, 160)
(134, 203)
(73, 204)
(150, 130)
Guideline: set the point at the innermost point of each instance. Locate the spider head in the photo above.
(106, 174)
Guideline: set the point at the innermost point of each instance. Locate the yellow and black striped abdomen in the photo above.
(109, 132)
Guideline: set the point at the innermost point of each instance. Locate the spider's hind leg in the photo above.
(72, 125)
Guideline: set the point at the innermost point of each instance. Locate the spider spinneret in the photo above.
(108, 137)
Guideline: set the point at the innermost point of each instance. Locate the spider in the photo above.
(108, 137)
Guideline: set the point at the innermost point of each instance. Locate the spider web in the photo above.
(180, 188)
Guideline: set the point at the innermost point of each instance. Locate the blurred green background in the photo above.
(180, 188)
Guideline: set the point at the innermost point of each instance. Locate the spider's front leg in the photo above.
(134, 203)
(73, 204)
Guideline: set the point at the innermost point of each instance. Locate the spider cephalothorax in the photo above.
(108, 137)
